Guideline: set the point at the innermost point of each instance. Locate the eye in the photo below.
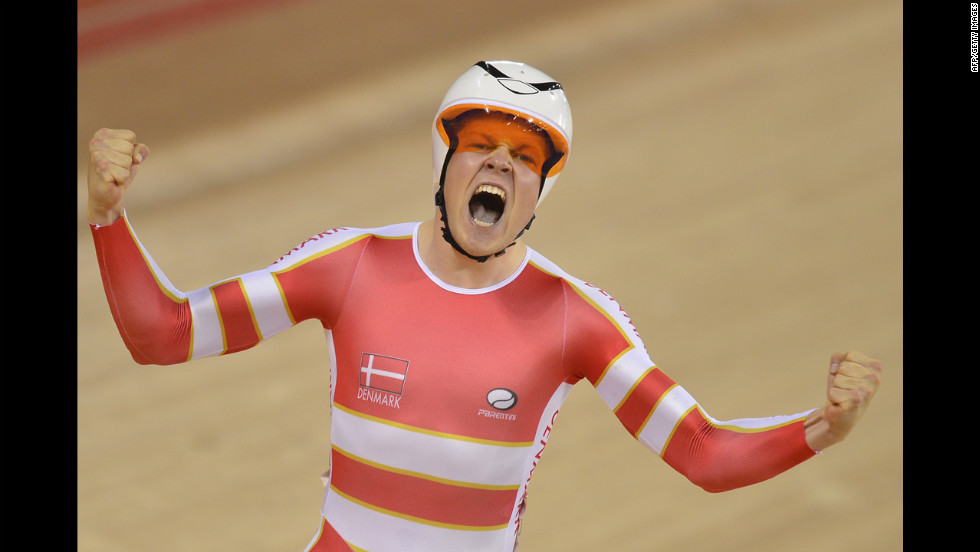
(530, 160)
(476, 146)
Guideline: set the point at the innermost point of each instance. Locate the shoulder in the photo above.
(343, 237)
(584, 299)
(578, 286)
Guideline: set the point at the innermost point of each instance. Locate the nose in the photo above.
(499, 159)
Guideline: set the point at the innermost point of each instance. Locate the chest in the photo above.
(482, 366)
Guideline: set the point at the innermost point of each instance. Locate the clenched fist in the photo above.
(114, 157)
(852, 381)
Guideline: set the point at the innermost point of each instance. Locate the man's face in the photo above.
(493, 179)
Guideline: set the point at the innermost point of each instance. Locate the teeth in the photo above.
(488, 189)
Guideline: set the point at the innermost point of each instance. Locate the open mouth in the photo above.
(487, 205)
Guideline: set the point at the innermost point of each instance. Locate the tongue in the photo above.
(483, 215)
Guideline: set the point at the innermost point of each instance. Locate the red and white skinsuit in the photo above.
(442, 398)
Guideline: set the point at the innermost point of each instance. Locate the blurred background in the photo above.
(735, 182)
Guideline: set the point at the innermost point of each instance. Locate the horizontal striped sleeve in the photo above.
(669, 411)
(236, 314)
(267, 304)
(208, 339)
(160, 324)
(621, 377)
(636, 409)
(238, 326)
(602, 345)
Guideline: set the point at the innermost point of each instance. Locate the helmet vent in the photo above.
(514, 85)
(518, 86)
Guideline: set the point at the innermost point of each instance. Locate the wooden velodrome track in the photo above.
(736, 183)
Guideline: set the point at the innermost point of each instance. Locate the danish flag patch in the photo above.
(383, 373)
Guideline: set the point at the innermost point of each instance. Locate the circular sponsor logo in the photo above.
(502, 399)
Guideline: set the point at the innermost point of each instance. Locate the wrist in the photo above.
(818, 431)
(103, 217)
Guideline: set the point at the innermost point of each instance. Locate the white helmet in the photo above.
(513, 88)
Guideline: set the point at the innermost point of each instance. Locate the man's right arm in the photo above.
(142, 306)
(161, 324)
